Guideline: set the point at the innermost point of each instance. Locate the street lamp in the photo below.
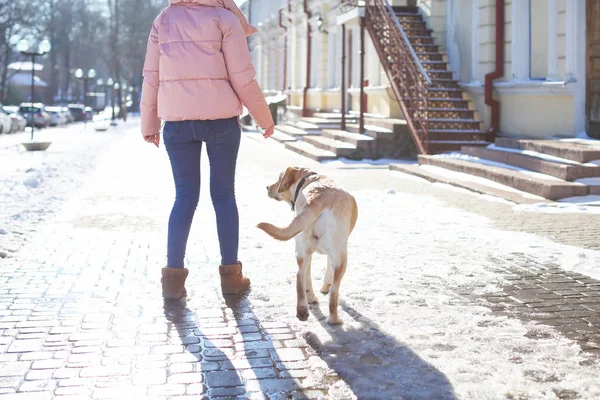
(117, 88)
(27, 50)
(91, 74)
(109, 84)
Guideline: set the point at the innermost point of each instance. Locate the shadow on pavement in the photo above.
(256, 374)
(375, 365)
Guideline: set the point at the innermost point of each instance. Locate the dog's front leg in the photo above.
(303, 260)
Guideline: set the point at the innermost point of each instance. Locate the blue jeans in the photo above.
(183, 141)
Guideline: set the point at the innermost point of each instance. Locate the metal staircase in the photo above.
(438, 115)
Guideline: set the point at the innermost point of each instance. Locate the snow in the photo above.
(35, 184)
(408, 332)
(541, 156)
(381, 161)
(483, 161)
(580, 204)
(589, 181)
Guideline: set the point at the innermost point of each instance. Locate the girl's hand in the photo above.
(269, 132)
(153, 139)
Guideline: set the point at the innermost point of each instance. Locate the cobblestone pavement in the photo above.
(430, 300)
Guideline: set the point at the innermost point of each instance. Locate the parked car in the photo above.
(89, 112)
(68, 115)
(5, 122)
(18, 122)
(57, 116)
(77, 110)
(41, 119)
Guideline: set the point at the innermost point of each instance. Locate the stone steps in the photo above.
(282, 137)
(564, 171)
(338, 147)
(308, 150)
(568, 150)
(542, 186)
(466, 183)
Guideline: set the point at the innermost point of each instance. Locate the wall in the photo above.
(539, 93)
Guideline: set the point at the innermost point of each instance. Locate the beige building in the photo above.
(538, 58)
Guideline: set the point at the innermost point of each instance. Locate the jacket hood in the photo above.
(226, 4)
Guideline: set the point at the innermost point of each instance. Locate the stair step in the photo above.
(282, 137)
(408, 17)
(417, 31)
(339, 148)
(426, 47)
(306, 126)
(374, 131)
(444, 93)
(413, 24)
(444, 83)
(454, 113)
(332, 116)
(440, 74)
(356, 139)
(564, 171)
(569, 151)
(445, 146)
(322, 122)
(457, 135)
(546, 187)
(453, 124)
(445, 103)
(291, 130)
(477, 185)
(308, 150)
(405, 9)
(425, 56)
(420, 39)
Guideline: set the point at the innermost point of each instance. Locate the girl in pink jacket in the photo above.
(197, 75)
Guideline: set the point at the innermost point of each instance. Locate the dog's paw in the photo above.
(302, 313)
(325, 289)
(331, 320)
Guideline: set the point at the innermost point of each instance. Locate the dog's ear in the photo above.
(289, 177)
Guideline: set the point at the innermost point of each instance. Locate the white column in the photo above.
(474, 40)
(576, 59)
(356, 57)
(521, 40)
(332, 60)
(552, 40)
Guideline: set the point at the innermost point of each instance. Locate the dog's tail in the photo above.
(307, 216)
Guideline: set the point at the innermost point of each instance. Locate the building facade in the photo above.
(540, 58)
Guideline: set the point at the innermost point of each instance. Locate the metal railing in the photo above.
(408, 78)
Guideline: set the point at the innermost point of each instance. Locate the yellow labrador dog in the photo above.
(325, 217)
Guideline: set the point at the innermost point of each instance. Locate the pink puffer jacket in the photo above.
(198, 66)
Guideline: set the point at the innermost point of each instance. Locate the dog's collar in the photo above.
(298, 188)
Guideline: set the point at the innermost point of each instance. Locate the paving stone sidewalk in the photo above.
(81, 314)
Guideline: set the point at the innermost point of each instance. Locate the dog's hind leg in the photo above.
(339, 264)
(310, 292)
(303, 260)
(328, 278)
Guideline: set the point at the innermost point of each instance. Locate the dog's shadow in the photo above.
(375, 365)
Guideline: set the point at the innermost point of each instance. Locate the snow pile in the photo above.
(33, 185)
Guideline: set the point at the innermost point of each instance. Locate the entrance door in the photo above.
(593, 68)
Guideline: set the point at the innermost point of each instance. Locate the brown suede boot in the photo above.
(232, 279)
(173, 283)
